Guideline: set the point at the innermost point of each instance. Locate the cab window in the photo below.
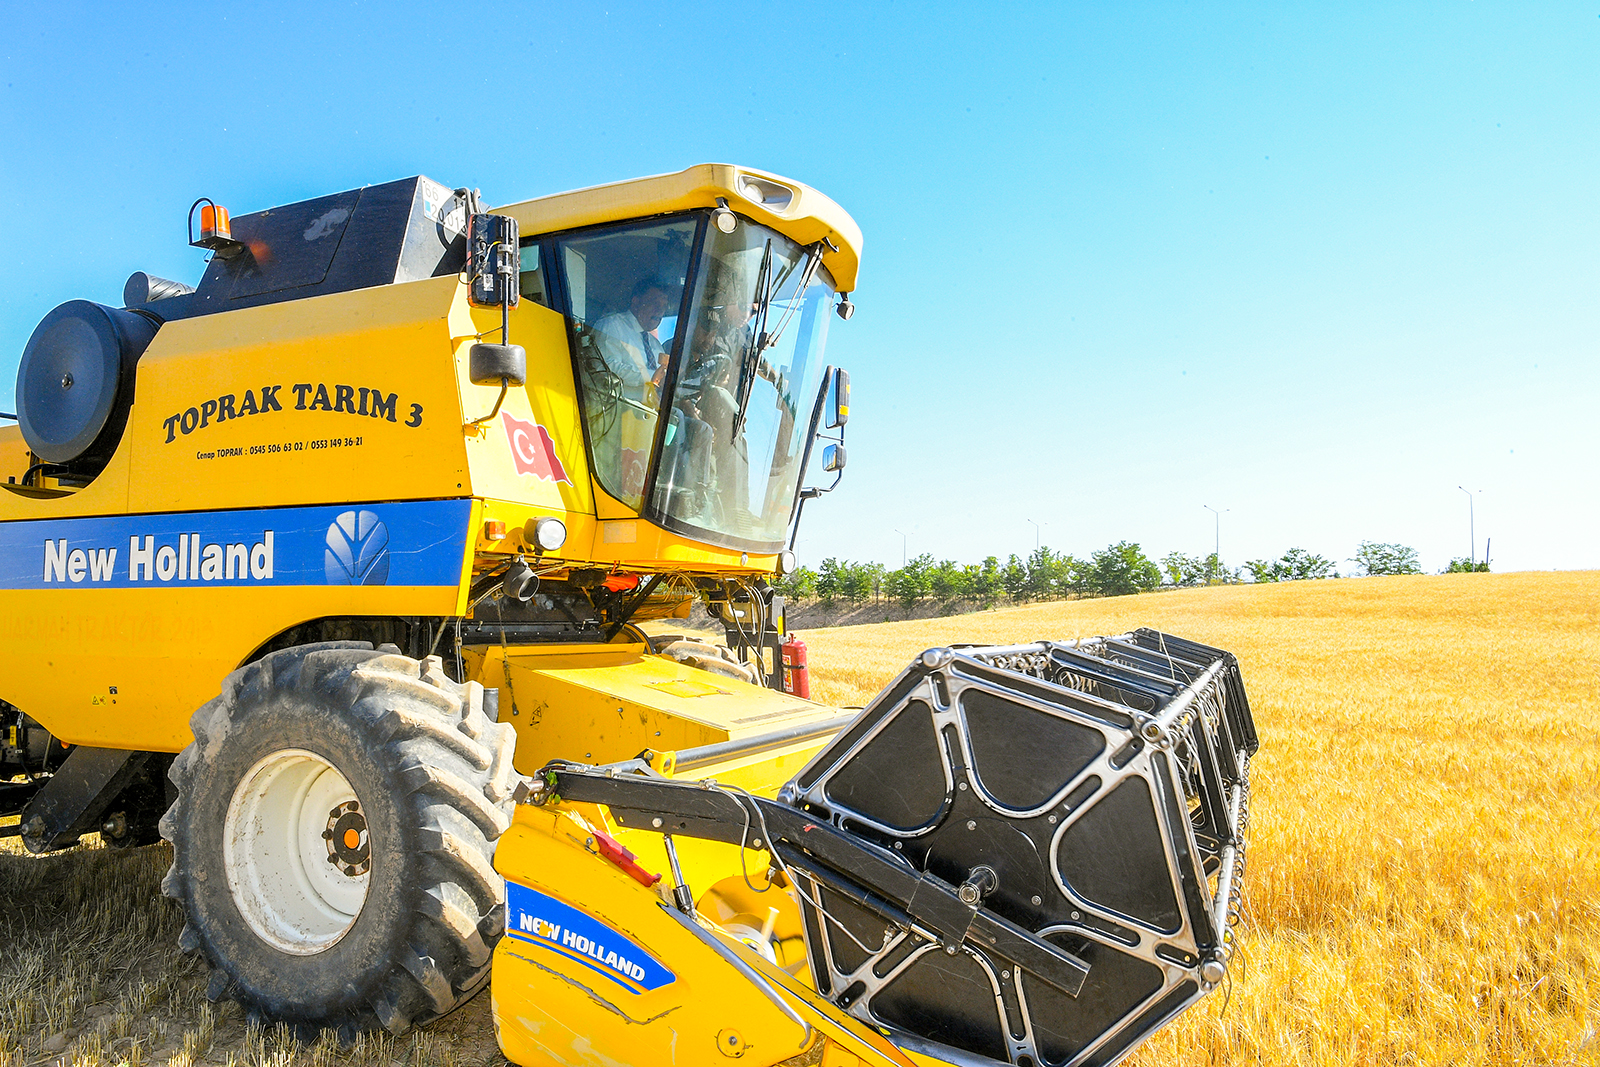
(624, 286)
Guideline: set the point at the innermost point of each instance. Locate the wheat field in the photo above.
(1424, 867)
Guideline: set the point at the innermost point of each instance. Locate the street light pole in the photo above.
(902, 550)
(1035, 535)
(1216, 554)
(1472, 535)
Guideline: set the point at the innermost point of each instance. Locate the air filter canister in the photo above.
(75, 382)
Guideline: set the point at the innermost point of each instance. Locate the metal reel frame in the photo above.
(1093, 793)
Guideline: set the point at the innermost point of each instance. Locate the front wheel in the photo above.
(333, 836)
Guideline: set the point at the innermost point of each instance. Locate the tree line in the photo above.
(1115, 570)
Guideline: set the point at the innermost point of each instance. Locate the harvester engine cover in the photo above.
(1026, 854)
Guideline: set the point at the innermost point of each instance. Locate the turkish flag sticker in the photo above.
(533, 450)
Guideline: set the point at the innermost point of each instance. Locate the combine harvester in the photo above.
(402, 476)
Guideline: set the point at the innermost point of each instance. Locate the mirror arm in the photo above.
(505, 387)
(805, 494)
(811, 492)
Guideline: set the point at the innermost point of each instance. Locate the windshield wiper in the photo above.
(760, 339)
(757, 340)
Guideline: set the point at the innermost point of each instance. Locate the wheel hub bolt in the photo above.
(346, 838)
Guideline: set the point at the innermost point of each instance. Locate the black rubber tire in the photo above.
(434, 779)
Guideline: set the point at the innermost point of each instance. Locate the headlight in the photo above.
(549, 535)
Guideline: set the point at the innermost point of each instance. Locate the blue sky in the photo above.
(1314, 265)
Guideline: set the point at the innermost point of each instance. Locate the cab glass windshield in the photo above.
(624, 286)
(707, 419)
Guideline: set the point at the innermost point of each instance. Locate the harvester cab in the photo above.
(351, 543)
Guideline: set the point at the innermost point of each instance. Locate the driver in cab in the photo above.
(628, 341)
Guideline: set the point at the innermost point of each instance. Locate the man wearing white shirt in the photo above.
(628, 341)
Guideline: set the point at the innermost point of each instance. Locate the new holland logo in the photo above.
(358, 550)
(536, 919)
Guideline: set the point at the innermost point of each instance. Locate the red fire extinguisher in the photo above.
(796, 678)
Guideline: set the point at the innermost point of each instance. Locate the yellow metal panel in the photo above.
(845, 1035)
(642, 545)
(519, 519)
(106, 495)
(550, 1006)
(605, 703)
(764, 773)
(807, 216)
(532, 451)
(13, 454)
(125, 668)
(350, 396)
(556, 993)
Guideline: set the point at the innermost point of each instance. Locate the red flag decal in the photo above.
(533, 450)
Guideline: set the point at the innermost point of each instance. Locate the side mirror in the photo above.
(833, 458)
(491, 364)
(839, 402)
(494, 261)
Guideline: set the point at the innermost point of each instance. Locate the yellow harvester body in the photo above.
(122, 663)
(306, 409)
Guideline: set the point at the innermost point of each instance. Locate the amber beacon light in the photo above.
(215, 232)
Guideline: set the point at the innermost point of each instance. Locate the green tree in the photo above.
(1467, 566)
(971, 575)
(1072, 575)
(1377, 557)
(859, 581)
(1122, 568)
(949, 580)
(1295, 565)
(830, 580)
(984, 585)
(921, 568)
(800, 584)
(911, 582)
(1182, 569)
(1044, 567)
(1217, 574)
(1014, 579)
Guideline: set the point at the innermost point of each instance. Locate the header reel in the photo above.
(1102, 810)
(1024, 854)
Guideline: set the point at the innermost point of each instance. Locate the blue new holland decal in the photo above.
(358, 550)
(407, 543)
(537, 919)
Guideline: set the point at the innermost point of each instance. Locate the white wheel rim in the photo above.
(279, 852)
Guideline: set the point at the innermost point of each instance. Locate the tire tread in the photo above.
(450, 767)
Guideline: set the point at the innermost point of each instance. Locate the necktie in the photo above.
(649, 356)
